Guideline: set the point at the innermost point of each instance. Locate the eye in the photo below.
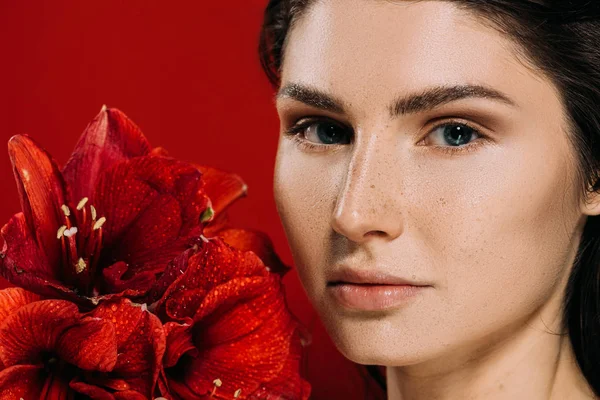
(454, 134)
(321, 132)
(454, 137)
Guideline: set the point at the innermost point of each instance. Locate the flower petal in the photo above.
(179, 342)
(55, 326)
(245, 363)
(89, 345)
(94, 392)
(138, 284)
(215, 263)
(223, 188)
(21, 382)
(288, 385)
(130, 395)
(257, 242)
(34, 329)
(152, 207)
(238, 307)
(42, 193)
(109, 138)
(173, 271)
(23, 263)
(242, 328)
(11, 299)
(56, 387)
(141, 343)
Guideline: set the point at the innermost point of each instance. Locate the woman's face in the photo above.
(390, 169)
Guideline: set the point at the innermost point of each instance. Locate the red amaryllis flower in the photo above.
(106, 225)
(224, 188)
(49, 350)
(229, 333)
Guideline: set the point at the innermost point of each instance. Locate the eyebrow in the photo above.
(427, 99)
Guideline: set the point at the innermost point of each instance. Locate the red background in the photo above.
(188, 74)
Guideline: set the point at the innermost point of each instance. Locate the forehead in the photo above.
(365, 48)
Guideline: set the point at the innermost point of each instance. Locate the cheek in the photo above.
(497, 226)
(305, 189)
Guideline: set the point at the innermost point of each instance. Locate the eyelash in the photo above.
(304, 144)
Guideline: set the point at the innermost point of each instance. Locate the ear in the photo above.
(591, 203)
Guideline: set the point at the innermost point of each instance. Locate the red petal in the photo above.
(129, 395)
(41, 190)
(90, 345)
(11, 299)
(141, 343)
(152, 206)
(230, 298)
(139, 283)
(214, 264)
(94, 392)
(111, 137)
(242, 328)
(25, 265)
(179, 342)
(257, 242)
(217, 262)
(21, 382)
(288, 384)
(223, 188)
(245, 363)
(174, 270)
(35, 329)
(159, 151)
(56, 388)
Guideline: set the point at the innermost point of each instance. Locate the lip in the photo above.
(349, 275)
(371, 290)
(373, 297)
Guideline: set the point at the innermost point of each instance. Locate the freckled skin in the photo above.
(494, 231)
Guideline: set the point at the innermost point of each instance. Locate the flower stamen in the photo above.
(237, 393)
(61, 231)
(67, 213)
(81, 207)
(81, 266)
(66, 210)
(94, 214)
(82, 203)
(69, 232)
(98, 224)
(217, 382)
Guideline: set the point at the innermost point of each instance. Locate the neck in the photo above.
(528, 360)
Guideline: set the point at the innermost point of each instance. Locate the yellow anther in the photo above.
(66, 210)
(61, 231)
(99, 223)
(81, 266)
(237, 393)
(82, 203)
(217, 382)
(93, 212)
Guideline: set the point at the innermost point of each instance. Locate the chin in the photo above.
(374, 339)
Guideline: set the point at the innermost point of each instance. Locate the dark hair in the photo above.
(561, 39)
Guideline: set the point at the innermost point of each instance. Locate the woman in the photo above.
(437, 181)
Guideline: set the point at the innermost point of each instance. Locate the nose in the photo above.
(369, 201)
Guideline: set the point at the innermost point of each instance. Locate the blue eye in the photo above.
(456, 134)
(322, 132)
